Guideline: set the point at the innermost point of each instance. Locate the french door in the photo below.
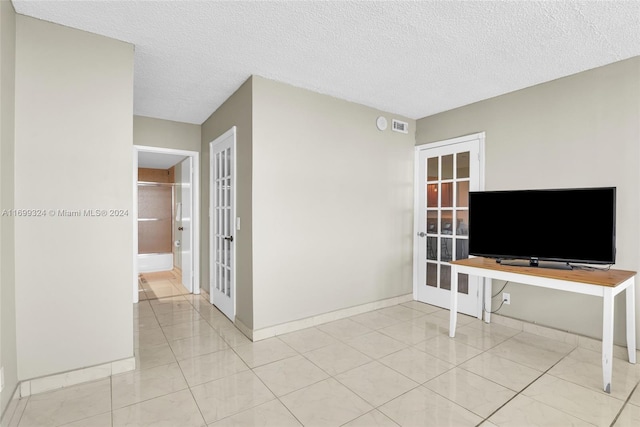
(446, 172)
(222, 223)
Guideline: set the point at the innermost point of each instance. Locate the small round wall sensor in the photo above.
(381, 123)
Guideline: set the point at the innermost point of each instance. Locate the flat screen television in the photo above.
(575, 225)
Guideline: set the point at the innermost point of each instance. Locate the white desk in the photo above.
(604, 284)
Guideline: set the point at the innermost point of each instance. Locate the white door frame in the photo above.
(195, 210)
(234, 220)
(417, 188)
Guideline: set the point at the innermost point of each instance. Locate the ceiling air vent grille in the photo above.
(399, 126)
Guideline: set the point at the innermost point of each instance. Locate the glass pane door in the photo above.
(222, 223)
(447, 197)
(446, 175)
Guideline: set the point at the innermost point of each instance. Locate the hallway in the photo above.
(160, 285)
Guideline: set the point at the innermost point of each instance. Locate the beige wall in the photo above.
(236, 111)
(332, 205)
(578, 131)
(165, 134)
(8, 351)
(73, 151)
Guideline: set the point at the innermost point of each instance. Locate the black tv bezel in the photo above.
(533, 260)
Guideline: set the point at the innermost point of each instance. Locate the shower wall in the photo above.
(155, 212)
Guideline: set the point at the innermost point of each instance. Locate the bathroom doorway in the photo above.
(165, 221)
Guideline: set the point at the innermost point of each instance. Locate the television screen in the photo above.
(566, 225)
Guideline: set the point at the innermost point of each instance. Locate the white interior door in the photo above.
(446, 172)
(185, 223)
(222, 223)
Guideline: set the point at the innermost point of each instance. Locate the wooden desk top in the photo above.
(609, 278)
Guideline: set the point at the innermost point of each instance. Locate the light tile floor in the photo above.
(395, 366)
(160, 285)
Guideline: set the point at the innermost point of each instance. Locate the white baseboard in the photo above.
(77, 376)
(296, 325)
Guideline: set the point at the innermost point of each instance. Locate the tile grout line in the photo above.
(177, 362)
(407, 346)
(374, 407)
(529, 385)
(21, 413)
(624, 405)
(249, 369)
(111, 394)
(182, 372)
(518, 393)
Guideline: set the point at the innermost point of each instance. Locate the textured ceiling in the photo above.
(409, 58)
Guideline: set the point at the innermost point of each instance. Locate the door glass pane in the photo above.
(432, 248)
(432, 195)
(432, 222)
(462, 165)
(447, 167)
(463, 283)
(432, 274)
(446, 226)
(446, 194)
(447, 185)
(462, 223)
(462, 248)
(432, 169)
(445, 277)
(446, 249)
(462, 198)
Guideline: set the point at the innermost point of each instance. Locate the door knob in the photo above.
(422, 234)
(180, 228)
(229, 238)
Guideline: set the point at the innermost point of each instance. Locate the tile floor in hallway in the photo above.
(394, 366)
(160, 285)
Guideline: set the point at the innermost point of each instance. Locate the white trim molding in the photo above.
(76, 376)
(296, 325)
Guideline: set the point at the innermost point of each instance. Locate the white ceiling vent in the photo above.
(399, 126)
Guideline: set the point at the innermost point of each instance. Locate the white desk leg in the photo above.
(607, 338)
(488, 291)
(631, 321)
(453, 310)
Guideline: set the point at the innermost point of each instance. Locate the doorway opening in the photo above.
(165, 216)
